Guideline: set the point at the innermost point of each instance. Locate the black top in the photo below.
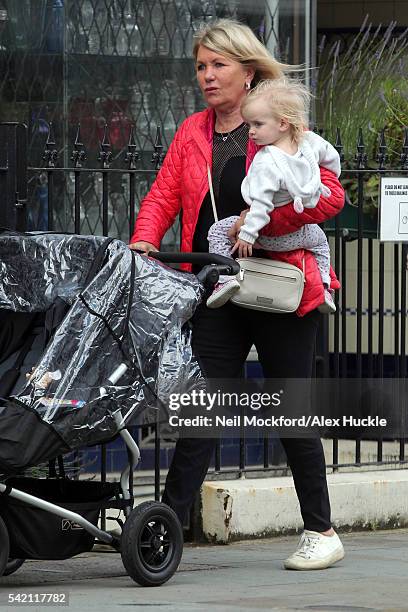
(228, 172)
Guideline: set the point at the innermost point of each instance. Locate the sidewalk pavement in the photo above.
(243, 576)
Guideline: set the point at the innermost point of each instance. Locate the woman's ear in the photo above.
(250, 73)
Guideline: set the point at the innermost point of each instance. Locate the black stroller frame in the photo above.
(151, 540)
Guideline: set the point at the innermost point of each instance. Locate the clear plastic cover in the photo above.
(36, 269)
(129, 322)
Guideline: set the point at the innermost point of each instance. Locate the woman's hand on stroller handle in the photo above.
(144, 247)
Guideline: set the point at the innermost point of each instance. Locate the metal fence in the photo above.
(366, 337)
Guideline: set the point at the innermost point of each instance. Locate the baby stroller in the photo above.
(93, 337)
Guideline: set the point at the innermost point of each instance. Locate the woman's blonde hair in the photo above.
(237, 41)
(286, 99)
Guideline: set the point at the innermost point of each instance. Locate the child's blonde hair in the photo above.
(287, 99)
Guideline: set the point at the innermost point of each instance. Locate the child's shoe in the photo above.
(328, 304)
(222, 293)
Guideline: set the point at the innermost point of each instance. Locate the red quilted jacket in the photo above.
(182, 184)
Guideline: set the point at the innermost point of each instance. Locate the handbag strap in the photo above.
(210, 185)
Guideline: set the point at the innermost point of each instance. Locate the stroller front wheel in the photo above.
(151, 543)
(4, 546)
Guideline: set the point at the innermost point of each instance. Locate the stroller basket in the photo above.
(37, 534)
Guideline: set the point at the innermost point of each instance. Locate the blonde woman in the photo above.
(229, 61)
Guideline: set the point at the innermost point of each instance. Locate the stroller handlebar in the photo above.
(225, 265)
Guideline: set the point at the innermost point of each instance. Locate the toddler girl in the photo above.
(285, 170)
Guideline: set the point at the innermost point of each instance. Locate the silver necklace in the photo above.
(224, 137)
(236, 143)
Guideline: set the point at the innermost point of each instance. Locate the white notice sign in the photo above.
(394, 209)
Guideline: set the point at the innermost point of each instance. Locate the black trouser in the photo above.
(222, 339)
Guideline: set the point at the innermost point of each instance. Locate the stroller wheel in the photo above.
(12, 566)
(4, 546)
(151, 543)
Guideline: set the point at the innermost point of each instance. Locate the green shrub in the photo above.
(365, 88)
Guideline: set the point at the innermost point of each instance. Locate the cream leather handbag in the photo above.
(272, 286)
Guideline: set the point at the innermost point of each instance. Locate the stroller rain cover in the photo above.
(133, 311)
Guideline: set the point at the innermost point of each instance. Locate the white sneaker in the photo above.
(222, 293)
(315, 551)
(328, 304)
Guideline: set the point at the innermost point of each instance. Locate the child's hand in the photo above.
(244, 248)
